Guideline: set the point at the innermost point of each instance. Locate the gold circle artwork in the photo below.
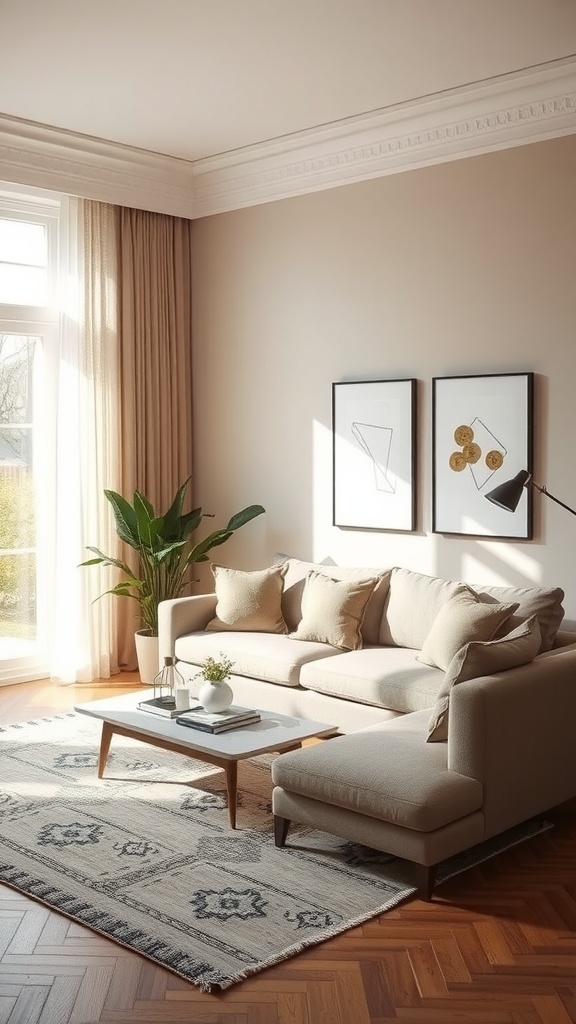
(457, 462)
(472, 452)
(463, 434)
(494, 459)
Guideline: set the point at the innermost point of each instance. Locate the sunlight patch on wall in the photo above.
(322, 503)
(504, 565)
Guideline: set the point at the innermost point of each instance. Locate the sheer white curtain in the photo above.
(82, 635)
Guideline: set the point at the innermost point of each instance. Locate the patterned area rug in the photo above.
(145, 856)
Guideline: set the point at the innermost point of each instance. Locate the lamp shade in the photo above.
(508, 494)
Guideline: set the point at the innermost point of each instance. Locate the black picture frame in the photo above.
(374, 454)
(482, 435)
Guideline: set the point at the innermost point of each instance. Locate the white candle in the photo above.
(182, 698)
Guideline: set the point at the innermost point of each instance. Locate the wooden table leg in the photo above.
(231, 790)
(107, 733)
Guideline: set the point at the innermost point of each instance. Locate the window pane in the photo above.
(15, 448)
(17, 510)
(16, 363)
(18, 596)
(23, 242)
(23, 286)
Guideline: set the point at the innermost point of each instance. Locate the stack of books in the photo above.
(217, 721)
(164, 708)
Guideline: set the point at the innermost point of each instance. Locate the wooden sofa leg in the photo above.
(281, 826)
(425, 877)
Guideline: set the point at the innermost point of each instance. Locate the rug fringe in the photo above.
(314, 940)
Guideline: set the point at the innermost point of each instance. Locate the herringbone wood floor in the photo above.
(496, 946)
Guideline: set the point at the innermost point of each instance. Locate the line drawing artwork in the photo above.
(480, 450)
(376, 442)
(374, 454)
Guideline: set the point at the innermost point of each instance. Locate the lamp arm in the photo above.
(543, 490)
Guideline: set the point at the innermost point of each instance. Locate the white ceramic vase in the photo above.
(215, 696)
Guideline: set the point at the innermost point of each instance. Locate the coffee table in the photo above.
(121, 716)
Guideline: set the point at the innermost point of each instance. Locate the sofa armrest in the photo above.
(514, 732)
(181, 616)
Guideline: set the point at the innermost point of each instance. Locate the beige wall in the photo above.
(462, 268)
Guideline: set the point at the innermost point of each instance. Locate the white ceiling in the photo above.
(195, 78)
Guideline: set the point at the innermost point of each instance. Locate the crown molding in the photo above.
(515, 109)
(42, 157)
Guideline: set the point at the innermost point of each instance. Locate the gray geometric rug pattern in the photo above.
(145, 856)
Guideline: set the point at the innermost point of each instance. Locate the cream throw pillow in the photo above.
(248, 600)
(483, 658)
(295, 580)
(462, 619)
(332, 610)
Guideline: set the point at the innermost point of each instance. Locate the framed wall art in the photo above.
(374, 427)
(481, 436)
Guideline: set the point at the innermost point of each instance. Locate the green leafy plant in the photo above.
(164, 546)
(214, 671)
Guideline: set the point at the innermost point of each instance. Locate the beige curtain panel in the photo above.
(155, 365)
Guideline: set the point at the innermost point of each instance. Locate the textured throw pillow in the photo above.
(295, 579)
(482, 658)
(248, 600)
(543, 602)
(332, 610)
(462, 619)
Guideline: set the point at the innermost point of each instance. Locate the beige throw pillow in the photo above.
(295, 580)
(462, 619)
(248, 601)
(543, 602)
(483, 658)
(332, 610)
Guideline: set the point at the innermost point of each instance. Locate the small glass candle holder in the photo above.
(166, 683)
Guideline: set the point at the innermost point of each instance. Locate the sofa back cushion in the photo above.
(543, 602)
(412, 604)
(295, 579)
(414, 600)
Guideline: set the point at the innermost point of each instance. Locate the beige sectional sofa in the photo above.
(456, 703)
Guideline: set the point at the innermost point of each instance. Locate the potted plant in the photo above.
(165, 552)
(215, 694)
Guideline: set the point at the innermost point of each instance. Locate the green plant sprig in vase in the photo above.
(215, 694)
(214, 671)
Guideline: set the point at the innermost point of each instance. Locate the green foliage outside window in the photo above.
(18, 570)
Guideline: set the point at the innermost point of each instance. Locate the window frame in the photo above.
(42, 322)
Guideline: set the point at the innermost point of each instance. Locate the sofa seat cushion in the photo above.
(384, 772)
(273, 657)
(386, 677)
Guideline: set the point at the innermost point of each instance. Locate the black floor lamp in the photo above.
(508, 494)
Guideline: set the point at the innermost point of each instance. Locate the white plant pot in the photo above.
(215, 696)
(147, 654)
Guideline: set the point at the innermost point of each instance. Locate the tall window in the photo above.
(28, 323)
